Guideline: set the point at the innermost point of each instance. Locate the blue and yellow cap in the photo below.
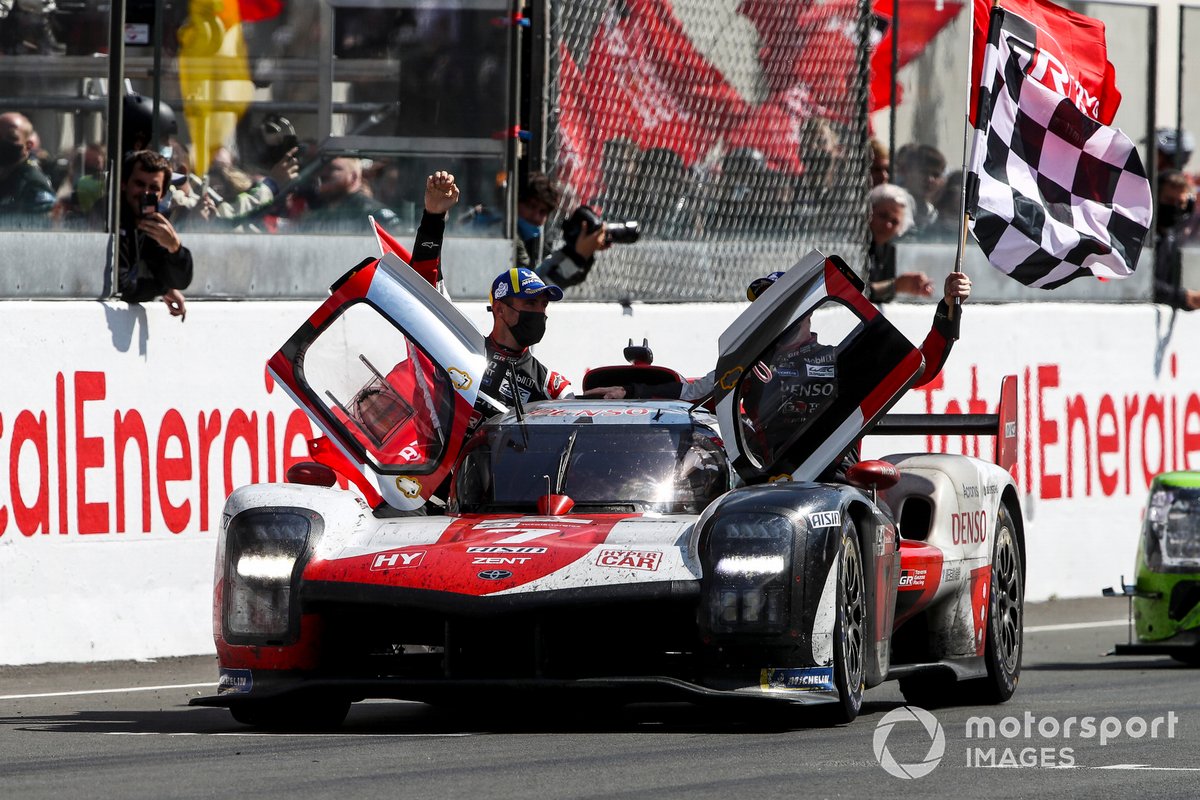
(519, 282)
(760, 285)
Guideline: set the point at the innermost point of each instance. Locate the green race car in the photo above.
(1165, 595)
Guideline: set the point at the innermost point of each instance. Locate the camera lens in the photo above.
(622, 232)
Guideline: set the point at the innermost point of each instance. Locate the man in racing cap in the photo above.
(519, 300)
(518, 303)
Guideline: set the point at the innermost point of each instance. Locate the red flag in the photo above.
(1071, 58)
(920, 22)
(388, 243)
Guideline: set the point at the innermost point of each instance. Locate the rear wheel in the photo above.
(850, 629)
(292, 713)
(1006, 615)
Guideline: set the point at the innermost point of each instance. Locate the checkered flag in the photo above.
(1059, 196)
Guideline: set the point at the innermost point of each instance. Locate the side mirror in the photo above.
(873, 475)
(554, 505)
(311, 473)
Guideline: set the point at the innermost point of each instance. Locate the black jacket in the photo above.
(145, 269)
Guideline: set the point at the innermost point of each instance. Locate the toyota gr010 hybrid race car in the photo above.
(1165, 594)
(650, 548)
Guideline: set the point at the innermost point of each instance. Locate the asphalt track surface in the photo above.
(125, 731)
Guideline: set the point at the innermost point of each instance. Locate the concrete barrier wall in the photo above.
(122, 430)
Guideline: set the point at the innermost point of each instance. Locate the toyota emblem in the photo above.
(495, 574)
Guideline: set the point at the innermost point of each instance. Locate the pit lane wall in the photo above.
(122, 431)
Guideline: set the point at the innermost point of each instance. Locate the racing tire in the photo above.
(850, 629)
(1006, 617)
(1188, 657)
(292, 714)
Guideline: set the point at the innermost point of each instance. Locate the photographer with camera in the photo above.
(151, 258)
(585, 234)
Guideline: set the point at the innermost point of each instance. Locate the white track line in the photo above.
(338, 734)
(209, 684)
(1071, 626)
(1148, 768)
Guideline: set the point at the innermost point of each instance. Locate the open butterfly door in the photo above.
(390, 371)
(806, 370)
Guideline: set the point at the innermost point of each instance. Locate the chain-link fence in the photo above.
(734, 132)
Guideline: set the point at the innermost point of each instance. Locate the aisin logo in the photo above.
(933, 728)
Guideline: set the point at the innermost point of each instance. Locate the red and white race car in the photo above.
(652, 549)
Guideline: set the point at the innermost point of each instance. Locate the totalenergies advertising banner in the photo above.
(122, 431)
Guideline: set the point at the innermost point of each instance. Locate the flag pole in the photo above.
(968, 189)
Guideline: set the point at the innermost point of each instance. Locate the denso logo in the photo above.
(629, 559)
(968, 527)
(398, 560)
(810, 389)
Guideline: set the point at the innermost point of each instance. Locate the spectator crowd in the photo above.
(278, 183)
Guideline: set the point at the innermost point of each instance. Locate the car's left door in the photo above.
(390, 371)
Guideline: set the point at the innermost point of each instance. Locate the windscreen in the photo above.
(602, 468)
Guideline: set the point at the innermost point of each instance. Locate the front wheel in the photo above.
(1006, 615)
(1189, 657)
(850, 631)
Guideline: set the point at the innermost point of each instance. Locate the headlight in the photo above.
(748, 573)
(1181, 539)
(1173, 525)
(263, 560)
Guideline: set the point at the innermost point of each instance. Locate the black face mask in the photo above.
(11, 153)
(530, 327)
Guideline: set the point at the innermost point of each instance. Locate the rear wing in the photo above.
(1002, 425)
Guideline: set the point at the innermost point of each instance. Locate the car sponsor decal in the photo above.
(639, 411)
(460, 378)
(397, 559)
(506, 549)
(919, 578)
(494, 574)
(820, 370)
(825, 519)
(797, 679)
(968, 527)
(235, 681)
(477, 555)
(730, 378)
(409, 487)
(981, 585)
(629, 559)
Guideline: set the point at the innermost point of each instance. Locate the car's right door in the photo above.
(806, 370)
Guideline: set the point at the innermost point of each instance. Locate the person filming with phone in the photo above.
(152, 261)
